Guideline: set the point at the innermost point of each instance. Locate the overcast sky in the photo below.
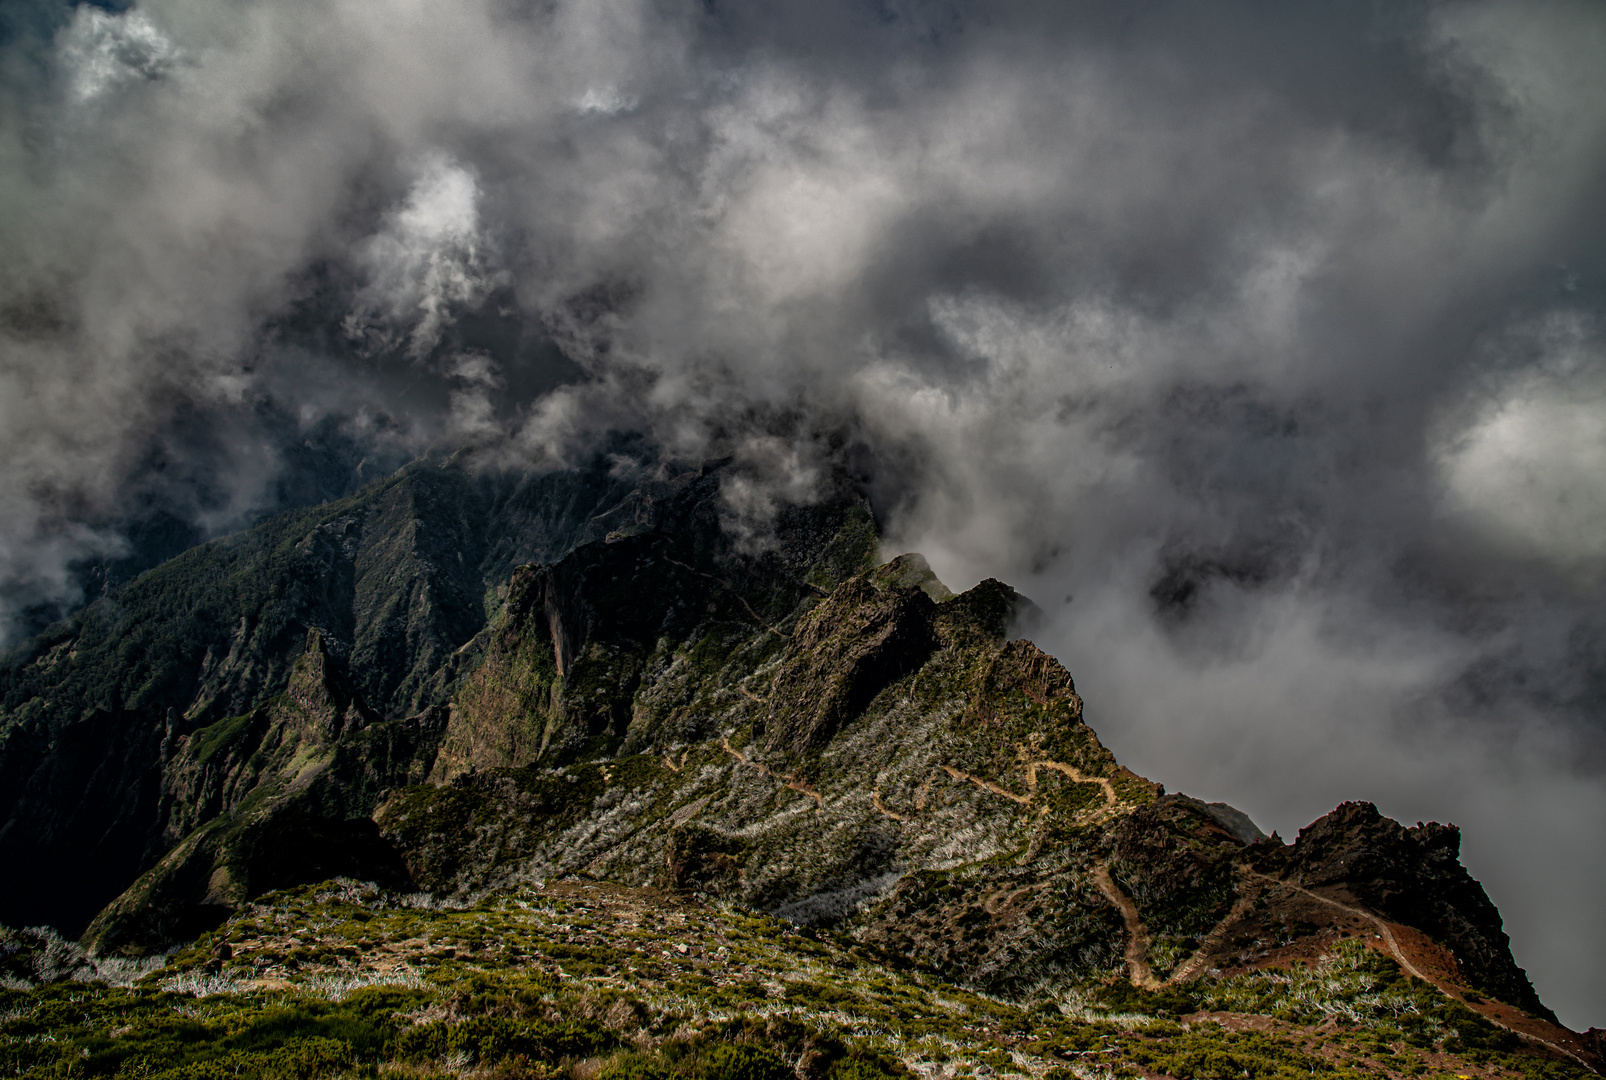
(1261, 343)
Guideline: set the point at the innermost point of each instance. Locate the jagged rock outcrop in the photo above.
(1413, 876)
(277, 797)
(619, 645)
(1175, 860)
(1234, 820)
(847, 650)
(318, 697)
(1023, 668)
(291, 737)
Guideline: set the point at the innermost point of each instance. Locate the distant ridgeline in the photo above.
(466, 685)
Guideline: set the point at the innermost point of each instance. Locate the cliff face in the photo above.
(397, 579)
(850, 648)
(272, 798)
(548, 680)
(357, 692)
(1413, 876)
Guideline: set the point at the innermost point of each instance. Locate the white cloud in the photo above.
(1528, 470)
(102, 50)
(430, 257)
(605, 100)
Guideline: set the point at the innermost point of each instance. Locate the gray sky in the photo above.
(1261, 343)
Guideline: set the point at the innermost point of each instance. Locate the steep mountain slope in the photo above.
(896, 765)
(253, 783)
(397, 578)
(787, 727)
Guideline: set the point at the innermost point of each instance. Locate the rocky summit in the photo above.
(475, 774)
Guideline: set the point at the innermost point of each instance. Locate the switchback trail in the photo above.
(875, 801)
(1194, 964)
(1137, 935)
(1111, 801)
(789, 781)
(1075, 774)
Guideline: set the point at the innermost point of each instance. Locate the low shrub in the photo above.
(743, 1061)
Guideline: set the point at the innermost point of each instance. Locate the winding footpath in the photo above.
(1386, 934)
(789, 781)
(1142, 974)
(1383, 929)
(1195, 964)
(1137, 935)
(1111, 800)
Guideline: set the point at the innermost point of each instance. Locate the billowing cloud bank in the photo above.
(1261, 342)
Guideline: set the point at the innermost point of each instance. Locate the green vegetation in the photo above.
(595, 982)
(851, 551)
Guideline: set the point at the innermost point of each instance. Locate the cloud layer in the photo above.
(1261, 343)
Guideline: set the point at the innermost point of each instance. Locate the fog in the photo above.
(1261, 344)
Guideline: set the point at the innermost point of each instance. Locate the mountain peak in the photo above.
(788, 728)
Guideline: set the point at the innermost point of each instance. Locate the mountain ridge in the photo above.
(791, 727)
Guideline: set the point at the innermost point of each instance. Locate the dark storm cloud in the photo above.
(1268, 332)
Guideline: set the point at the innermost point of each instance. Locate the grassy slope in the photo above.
(581, 979)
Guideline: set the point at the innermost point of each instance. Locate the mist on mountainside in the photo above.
(1261, 346)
